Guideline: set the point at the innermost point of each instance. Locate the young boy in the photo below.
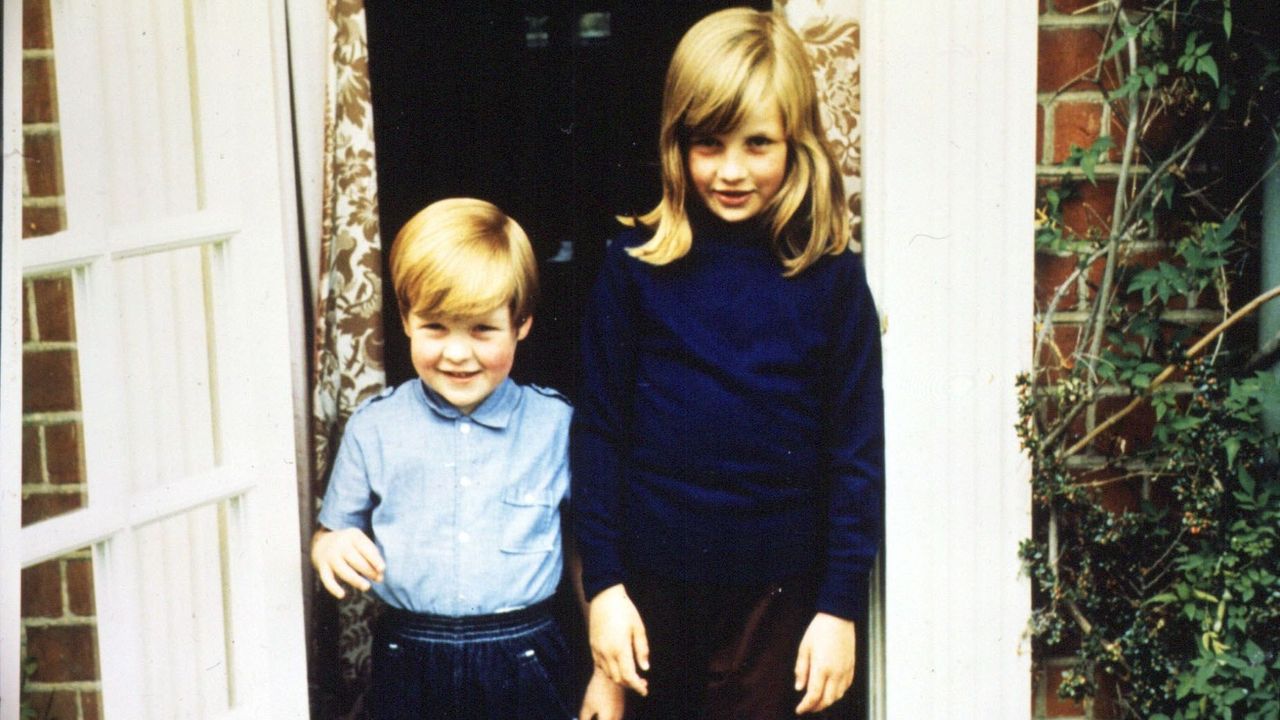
(445, 494)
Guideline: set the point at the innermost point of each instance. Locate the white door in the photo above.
(175, 184)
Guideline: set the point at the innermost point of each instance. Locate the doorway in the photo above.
(547, 108)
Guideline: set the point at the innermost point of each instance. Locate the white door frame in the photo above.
(949, 176)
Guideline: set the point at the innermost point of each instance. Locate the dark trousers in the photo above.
(727, 653)
(508, 666)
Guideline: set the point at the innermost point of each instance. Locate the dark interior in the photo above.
(543, 107)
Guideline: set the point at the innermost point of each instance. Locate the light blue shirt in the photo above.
(465, 509)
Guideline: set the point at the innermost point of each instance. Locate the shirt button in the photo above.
(463, 537)
(464, 428)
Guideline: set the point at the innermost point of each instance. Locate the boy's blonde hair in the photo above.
(462, 257)
(724, 67)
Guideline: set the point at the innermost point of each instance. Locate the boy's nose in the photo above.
(455, 350)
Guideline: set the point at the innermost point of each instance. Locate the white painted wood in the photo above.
(10, 365)
(949, 122)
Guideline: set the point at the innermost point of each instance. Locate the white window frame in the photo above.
(246, 168)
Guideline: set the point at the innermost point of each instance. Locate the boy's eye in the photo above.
(433, 326)
(485, 329)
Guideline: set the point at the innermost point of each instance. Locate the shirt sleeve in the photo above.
(601, 417)
(855, 447)
(349, 499)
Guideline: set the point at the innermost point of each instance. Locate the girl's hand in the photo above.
(348, 555)
(824, 667)
(604, 699)
(618, 641)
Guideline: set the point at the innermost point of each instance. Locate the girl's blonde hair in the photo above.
(726, 65)
(463, 257)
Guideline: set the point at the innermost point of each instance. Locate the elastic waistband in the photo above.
(470, 627)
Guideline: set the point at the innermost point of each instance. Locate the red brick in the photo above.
(80, 587)
(1071, 7)
(41, 221)
(55, 308)
(1133, 432)
(1055, 706)
(1068, 57)
(39, 104)
(37, 31)
(1052, 270)
(64, 453)
(52, 704)
(49, 381)
(42, 157)
(1088, 209)
(1039, 133)
(90, 701)
(27, 330)
(1075, 124)
(1115, 489)
(42, 590)
(42, 506)
(64, 653)
(32, 469)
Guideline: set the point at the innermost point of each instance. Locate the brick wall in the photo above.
(1071, 111)
(59, 626)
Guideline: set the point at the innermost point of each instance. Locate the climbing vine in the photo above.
(1156, 557)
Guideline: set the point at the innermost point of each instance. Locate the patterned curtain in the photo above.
(348, 339)
(829, 29)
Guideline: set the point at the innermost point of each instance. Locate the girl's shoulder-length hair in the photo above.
(724, 66)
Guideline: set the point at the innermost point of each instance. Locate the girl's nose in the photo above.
(732, 168)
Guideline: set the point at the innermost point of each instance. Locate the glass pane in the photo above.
(167, 383)
(53, 477)
(184, 628)
(43, 211)
(61, 678)
(151, 158)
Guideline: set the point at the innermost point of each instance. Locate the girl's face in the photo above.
(738, 172)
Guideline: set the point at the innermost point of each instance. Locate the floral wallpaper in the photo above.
(830, 28)
(348, 340)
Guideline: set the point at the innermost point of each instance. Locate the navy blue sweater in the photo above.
(730, 424)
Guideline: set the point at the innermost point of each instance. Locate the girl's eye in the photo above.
(760, 141)
(704, 141)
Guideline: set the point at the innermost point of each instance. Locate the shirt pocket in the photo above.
(529, 522)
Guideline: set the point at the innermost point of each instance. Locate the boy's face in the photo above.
(464, 359)
(738, 172)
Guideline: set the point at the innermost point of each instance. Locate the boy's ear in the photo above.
(523, 331)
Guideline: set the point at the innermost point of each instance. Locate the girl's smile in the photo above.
(738, 173)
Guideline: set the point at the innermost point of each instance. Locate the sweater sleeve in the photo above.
(600, 421)
(854, 447)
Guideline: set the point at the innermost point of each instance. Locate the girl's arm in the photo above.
(597, 439)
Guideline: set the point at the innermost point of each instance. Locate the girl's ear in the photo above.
(523, 330)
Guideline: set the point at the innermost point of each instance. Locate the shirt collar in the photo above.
(494, 412)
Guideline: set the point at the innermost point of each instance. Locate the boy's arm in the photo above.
(348, 555)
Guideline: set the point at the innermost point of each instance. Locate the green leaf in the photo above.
(1232, 446)
(1226, 21)
(1208, 66)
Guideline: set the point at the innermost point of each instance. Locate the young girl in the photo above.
(727, 450)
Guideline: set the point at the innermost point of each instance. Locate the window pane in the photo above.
(167, 383)
(60, 641)
(53, 476)
(184, 628)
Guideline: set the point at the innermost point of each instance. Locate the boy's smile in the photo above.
(738, 173)
(464, 359)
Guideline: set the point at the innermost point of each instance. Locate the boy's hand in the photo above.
(348, 555)
(824, 667)
(604, 699)
(618, 640)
